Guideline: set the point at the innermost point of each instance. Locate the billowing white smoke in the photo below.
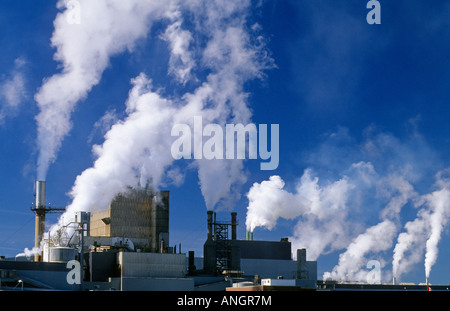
(410, 244)
(339, 213)
(351, 263)
(134, 151)
(439, 202)
(324, 210)
(376, 238)
(424, 232)
(268, 201)
(84, 45)
(137, 149)
(29, 252)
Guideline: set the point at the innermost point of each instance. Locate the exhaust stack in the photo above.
(210, 224)
(40, 215)
(233, 225)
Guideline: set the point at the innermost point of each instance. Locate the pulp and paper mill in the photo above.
(127, 247)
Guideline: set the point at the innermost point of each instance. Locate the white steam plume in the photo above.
(323, 224)
(410, 244)
(439, 202)
(424, 232)
(83, 49)
(137, 149)
(377, 238)
(337, 211)
(268, 201)
(30, 252)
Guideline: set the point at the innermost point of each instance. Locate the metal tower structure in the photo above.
(40, 210)
(223, 249)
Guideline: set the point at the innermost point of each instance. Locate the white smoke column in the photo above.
(410, 244)
(425, 231)
(268, 201)
(83, 48)
(133, 147)
(324, 225)
(137, 149)
(376, 238)
(233, 58)
(439, 202)
(322, 210)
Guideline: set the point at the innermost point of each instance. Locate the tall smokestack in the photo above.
(210, 224)
(233, 225)
(40, 193)
(40, 216)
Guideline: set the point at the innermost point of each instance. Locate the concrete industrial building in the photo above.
(266, 259)
(139, 215)
(126, 247)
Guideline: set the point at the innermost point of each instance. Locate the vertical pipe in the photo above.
(233, 225)
(191, 266)
(40, 193)
(210, 221)
(40, 215)
(153, 214)
(302, 270)
(38, 229)
(82, 257)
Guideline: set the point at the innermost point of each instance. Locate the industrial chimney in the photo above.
(40, 215)
(210, 224)
(233, 225)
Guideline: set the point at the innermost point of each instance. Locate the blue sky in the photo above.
(343, 92)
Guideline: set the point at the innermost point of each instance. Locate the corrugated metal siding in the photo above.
(152, 264)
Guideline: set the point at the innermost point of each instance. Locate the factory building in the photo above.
(139, 215)
(127, 247)
(249, 258)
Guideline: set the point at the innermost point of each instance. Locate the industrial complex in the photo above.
(127, 247)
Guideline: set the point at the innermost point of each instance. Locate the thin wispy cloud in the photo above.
(13, 90)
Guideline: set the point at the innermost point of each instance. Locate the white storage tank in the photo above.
(62, 254)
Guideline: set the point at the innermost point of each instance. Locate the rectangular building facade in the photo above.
(139, 215)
